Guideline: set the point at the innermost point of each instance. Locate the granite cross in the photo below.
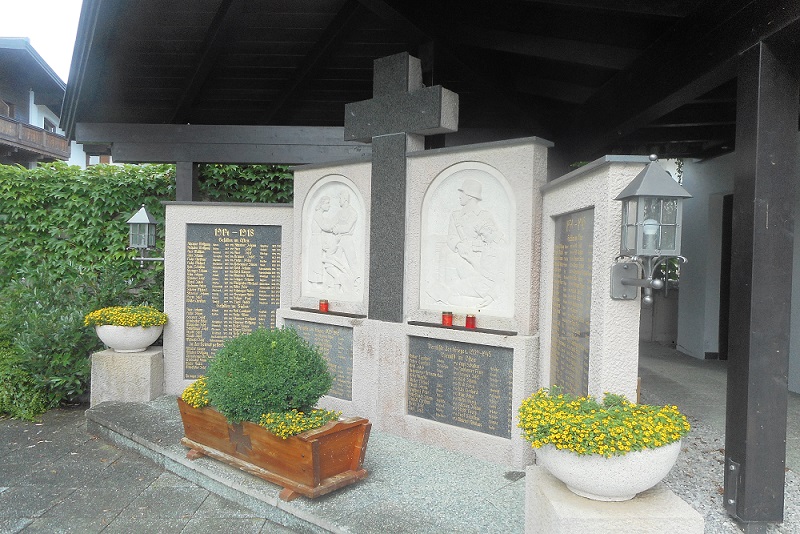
(396, 120)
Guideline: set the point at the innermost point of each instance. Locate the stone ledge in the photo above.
(551, 508)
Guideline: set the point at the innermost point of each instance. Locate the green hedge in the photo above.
(63, 253)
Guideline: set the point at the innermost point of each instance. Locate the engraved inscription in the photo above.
(232, 286)
(572, 298)
(336, 345)
(461, 384)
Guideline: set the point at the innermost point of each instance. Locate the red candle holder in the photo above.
(470, 322)
(447, 318)
(323, 306)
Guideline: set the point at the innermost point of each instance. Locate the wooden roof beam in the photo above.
(339, 27)
(695, 57)
(660, 8)
(221, 25)
(570, 51)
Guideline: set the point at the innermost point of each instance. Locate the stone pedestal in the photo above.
(553, 509)
(127, 376)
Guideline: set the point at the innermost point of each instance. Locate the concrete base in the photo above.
(127, 376)
(551, 508)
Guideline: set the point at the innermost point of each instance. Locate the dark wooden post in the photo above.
(761, 286)
(396, 120)
(186, 182)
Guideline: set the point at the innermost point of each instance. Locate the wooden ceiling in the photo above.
(594, 76)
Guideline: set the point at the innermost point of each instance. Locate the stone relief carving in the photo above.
(471, 268)
(333, 241)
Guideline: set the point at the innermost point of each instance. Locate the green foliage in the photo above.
(41, 317)
(246, 183)
(266, 371)
(59, 215)
(63, 253)
(20, 395)
(669, 270)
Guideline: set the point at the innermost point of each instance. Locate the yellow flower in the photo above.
(293, 422)
(586, 426)
(196, 394)
(125, 316)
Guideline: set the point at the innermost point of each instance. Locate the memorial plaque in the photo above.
(232, 286)
(572, 299)
(461, 384)
(336, 345)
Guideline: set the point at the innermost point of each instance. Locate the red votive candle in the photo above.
(323, 306)
(470, 323)
(447, 318)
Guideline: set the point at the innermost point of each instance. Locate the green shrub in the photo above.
(42, 318)
(21, 397)
(266, 371)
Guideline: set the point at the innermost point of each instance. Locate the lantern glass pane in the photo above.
(138, 235)
(651, 209)
(669, 211)
(629, 211)
(650, 244)
(628, 242)
(151, 235)
(629, 239)
(668, 238)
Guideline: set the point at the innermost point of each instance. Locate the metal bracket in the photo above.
(732, 470)
(622, 271)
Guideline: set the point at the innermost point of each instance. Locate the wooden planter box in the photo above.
(313, 463)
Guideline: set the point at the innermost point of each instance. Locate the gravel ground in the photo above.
(698, 478)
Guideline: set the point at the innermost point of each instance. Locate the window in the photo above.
(49, 126)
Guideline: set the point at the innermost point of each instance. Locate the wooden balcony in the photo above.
(17, 135)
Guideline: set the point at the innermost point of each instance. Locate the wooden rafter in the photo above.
(695, 57)
(340, 26)
(227, 14)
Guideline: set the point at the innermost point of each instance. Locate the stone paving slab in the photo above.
(55, 477)
(411, 487)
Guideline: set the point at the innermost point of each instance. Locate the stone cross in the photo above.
(396, 120)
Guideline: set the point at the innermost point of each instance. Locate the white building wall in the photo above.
(38, 114)
(698, 309)
(76, 154)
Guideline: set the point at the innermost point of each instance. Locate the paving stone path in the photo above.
(54, 477)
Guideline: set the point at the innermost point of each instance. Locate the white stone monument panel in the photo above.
(333, 241)
(468, 244)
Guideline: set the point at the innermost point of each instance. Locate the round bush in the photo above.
(266, 371)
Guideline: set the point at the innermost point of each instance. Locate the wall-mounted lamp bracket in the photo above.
(625, 277)
(627, 271)
(143, 259)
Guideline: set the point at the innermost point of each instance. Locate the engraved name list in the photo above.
(232, 286)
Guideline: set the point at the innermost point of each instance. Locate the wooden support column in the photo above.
(187, 187)
(761, 286)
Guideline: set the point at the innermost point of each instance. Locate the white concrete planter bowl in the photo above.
(128, 338)
(618, 478)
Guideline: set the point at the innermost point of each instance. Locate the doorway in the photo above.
(725, 275)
